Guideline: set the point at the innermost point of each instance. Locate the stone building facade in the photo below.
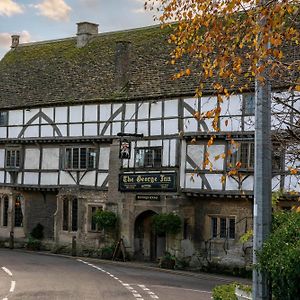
(68, 105)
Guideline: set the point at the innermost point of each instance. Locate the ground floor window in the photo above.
(222, 227)
(18, 212)
(93, 224)
(70, 214)
(4, 211)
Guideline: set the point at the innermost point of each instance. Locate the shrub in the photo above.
(107, 252)
(33, 244)
(280, 254)
(166, 223)
(167, 261)
(105, 219)
(224, 292)
(38, 232)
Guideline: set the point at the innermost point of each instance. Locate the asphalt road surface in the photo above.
(29, 276)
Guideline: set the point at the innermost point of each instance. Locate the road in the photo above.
(29, 276)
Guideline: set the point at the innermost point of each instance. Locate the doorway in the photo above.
(147, 244)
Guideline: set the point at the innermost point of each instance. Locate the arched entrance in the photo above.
(147, 244)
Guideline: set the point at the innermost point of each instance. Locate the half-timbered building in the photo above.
(63, 104)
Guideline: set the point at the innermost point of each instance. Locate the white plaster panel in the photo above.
(190, 125)
(215, 181)
(101, 179)
(107, 131)
(165, 154)
(61, 114)
(248, 184)
(32, 158)
(31, 131)
(46, 130)
(216, 150)
(75, 129)
(233, 123)
(30, 113)
(232, 105)
(155, 127)
(208, 103)
(31, 178)
(231, 184)
(292, 183)
(143, 112)
(173, 152)
(142, 143)
(156, 110)
(130, 111)
(276, 122)
(193, 181)
(19, 179)
(155, 143)
(129, 127)
(50, 158)
(249, 123)
(276, 183)
(49, 178)
(13, 132)
(15, 117)
(116, 128)
(3, 132)
(143, 127)
(62, 129)
(171, 108)
(196, 153)
(89, 179)
(171, 126)
(66, 179)
(118, 117)
(75, 114)
(2, 157)
(105, 112)
(90, 129)
(90, 113)
(104, 158)
(8, 178)
(49, 112)
(193, 103)
(2, 176)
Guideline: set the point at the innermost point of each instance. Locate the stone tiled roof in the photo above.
(57, 72)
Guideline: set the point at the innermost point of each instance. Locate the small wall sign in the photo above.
(147, 197)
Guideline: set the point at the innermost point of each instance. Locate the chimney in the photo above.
(15, 40)
(122, 63)
(85, 31)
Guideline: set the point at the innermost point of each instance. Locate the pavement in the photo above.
(31, 275)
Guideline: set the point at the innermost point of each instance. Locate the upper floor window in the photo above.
(249, 104)
(13, 158)
(243, 153)
(148, 157)
(80, 158)
(3, 118)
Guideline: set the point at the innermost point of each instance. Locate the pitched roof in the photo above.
(57, 72)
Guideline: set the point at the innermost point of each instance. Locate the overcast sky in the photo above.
(37, 20)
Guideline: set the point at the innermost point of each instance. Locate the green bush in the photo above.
(167, 261)
(166, 223)
(280, 255)
(107, 252)
(38, 232)
(33, 244)
(224, 292)
(105, 219)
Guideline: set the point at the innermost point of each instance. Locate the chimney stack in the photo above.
(85, 31)
(122, 63)
(15, 40)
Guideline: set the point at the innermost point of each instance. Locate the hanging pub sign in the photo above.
(165, 182)
(125, 149)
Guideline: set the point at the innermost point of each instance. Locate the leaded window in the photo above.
(223, 227)
(80, 158)
(3, 118)
(148, 157)
(4, 211)
(18, 212)
(70, 214)
(13, 158)
(242, 154)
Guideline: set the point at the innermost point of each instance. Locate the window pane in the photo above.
(65, 214)
(18, 213)
(222, 228)
(214, 227)
(3, 118)
(17, 158)
(75, 158)
(157, 157)
(93, 223)
(5, 211)
(231, 228)
(249, 103)
(148, 161)
(74, 214)
(244, 154)
(91, 158)
(139, 158)
(251, 158)
(68, 158)
(8, 158)
(83, 158)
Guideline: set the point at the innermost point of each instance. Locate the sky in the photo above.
(38, 20)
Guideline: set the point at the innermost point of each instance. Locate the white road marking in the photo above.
(137, 295)
(7, 271)
(12, 286)
(174, 287)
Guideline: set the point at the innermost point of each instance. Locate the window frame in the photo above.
(69, 223)
(18, 152)
(216, 230)
(68, 161)
(153, 159)
(236, 156)
(94, 207)
(3, 118)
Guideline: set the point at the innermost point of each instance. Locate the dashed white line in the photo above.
(7, 271)
(12, 286)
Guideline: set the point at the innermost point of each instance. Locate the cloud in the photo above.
(57, 10)
(5, 38)
(9, 8)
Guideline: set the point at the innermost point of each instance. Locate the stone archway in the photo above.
(147, 244)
